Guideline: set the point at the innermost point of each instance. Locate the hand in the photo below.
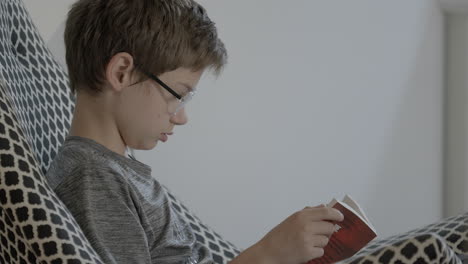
(301, 237)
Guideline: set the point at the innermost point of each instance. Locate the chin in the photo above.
(154, 145)
(151, 145)
(148, 145)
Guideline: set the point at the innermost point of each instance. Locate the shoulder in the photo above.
(77, 164)
(94, 176)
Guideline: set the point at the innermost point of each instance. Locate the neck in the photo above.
(93, 119)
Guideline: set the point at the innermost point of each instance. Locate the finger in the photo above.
(317, 206)
(321, 228)
(325, 213)
(321, 241)
(316, 252)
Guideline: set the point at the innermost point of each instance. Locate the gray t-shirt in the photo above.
(123, 211)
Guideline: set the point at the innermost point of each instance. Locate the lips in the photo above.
(164, 136)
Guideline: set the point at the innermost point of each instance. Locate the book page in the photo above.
(332, 203)
(352, 235)
(353, 204)
(349, 201)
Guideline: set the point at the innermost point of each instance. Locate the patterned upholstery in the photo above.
(222, 250)
(37, 87)
(439, 242)
(36, 83)
(35, 227)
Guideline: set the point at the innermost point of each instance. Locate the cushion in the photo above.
(35, 226)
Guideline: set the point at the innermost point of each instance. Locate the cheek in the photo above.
(147, 110)
(144, 116)
(132, 118)
(158, 112)
(153, 120)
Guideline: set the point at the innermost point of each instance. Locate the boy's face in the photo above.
(143, 111)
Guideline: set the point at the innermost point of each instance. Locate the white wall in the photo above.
(48, 14)
(320, 98)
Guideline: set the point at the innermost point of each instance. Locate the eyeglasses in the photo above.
(173, 108)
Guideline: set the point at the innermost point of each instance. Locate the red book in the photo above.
(351, 235)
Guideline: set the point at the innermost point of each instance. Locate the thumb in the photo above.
(317, 206)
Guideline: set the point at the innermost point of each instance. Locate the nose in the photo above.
(180, 118)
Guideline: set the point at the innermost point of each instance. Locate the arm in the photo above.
(253, 255)
(298, 239)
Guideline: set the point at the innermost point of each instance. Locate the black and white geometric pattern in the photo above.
(35, 81)
(222, 250)
(440, 242)
(35, 226)
(427, 248)
(41, 98)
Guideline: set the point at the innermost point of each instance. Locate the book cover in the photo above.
(352, 234)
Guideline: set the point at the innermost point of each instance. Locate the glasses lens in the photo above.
(176, 105)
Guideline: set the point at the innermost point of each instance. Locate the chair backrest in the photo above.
(37, 84)
(35, 226)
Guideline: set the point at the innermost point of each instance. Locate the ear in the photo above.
(118, 71)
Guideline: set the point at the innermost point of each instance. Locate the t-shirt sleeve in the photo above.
(101, 202)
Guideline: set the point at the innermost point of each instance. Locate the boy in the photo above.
(134, 64)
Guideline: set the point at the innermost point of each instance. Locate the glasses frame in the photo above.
(183, 100)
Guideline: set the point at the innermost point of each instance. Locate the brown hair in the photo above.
(161, 35)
